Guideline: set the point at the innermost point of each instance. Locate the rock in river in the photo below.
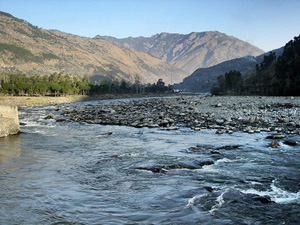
(275, 136)
(233, 195)
(49, 116)
(229, 147)
(274, 144)
(290, 142)
(219, 121)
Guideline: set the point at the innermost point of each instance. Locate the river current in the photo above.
(72, 173)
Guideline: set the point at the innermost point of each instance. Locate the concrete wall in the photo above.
(9, 120)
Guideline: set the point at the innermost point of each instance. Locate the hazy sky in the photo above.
(268, 24)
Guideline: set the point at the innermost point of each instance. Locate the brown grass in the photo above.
(25, 101)
(36, 101)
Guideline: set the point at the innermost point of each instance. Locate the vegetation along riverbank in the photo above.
(22, 90)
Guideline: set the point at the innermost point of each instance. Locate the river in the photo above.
(71, 173)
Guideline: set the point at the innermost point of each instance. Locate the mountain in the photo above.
(275, 75)
(32, 50)
(191, 51)
(203, 79)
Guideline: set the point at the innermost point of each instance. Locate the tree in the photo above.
(137, 83)
(288, 68)
(229, 83)
(124, 87)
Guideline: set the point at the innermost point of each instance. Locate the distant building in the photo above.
(160, 83)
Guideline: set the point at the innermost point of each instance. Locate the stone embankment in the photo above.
(225, 114)
(9, 120)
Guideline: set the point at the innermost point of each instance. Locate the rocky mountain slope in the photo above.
(29, 49)
(203, 79)
(191, 51)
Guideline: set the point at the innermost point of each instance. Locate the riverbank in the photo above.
(226, 113)
(26, 101)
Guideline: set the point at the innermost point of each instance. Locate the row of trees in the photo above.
(123, 87)
(112, 87)
(274, 76)
(59, 84)
(55, 84)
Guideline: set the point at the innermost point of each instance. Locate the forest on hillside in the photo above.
(274, 76)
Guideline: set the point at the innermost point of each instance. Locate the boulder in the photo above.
(229, 147)
(214, 152)
(262, 199)
(163, 123)
(219, 121)
(275, 136)
(209, 189)
(172, 128)
(274, 144)
(153, 125)
(252, 120)
(105, 134)
(219, 132)
(233, 195)
(8, 127)
(165, 168)
(290, 142)
(49, 116)
(9, 121)
(61, 120)
(206, 162)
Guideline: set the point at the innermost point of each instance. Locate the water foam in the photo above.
(224, 160)
(30, 123)
(209, 168)
(277, 194)
(192, 200)
(220, 201)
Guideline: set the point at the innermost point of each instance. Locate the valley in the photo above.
(184, 122)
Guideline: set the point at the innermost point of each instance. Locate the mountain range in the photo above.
(32, 50)
(189, 52)
(28, 49)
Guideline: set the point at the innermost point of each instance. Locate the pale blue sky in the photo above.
(268, 24)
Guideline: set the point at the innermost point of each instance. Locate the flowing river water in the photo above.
(71, 173)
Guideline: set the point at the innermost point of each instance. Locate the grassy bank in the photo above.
(25, 101)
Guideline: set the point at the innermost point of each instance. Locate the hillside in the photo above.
(275, 75)
(191, 51)
(203, 79)
(29, 49)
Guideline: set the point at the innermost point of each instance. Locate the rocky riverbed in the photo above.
(225, 114)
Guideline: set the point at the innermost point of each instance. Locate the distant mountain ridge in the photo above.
(189, 51)
(29, 49)
(203, 79)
